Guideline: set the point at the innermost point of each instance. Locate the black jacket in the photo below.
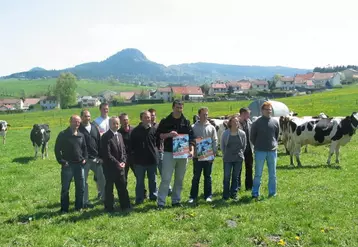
(93, 140)
(143, 146)
(70, 148)
(168, 124)
(112, 151)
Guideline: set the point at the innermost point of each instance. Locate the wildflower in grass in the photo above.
(281, 242)
(322, 230)
(297, 238)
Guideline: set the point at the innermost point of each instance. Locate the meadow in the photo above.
(316, 205)
(16, 87)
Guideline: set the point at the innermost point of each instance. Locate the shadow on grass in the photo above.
(289, 167)
(23, 160)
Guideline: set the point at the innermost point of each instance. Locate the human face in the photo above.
(75, 122)
(153, 117)
(178, 109)
(244, 116)
(86, 117)
(235, 123)
(203, 116)
(267, 111)
(124, 121)
(114, 124)
(146, 118)
(104, 110)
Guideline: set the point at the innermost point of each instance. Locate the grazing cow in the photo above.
(3, 130)
(40, 135)
(334, 131)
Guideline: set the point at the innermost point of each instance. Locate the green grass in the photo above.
(15, 87)
(316, 203)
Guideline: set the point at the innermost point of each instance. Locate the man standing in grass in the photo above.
(114, 156)
(203, 129)
(126, 131)
(264, 136)
(145, 156)
(102, 121)
(171, 126)
(71, 153)
(94, 163)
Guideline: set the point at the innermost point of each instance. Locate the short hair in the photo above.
(142, 113)
(151, 110)
(177, 102)
(230, 120)
(83, 112)
(103, 104)
(266, 104)
(123, 114)
(202, 109)
(74, 116)
(244, 109)
(111, 119)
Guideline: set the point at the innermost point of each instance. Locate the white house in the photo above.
(260, 85)
(217, 88)
(326, 79)
(89, 101)
(164, 93)
(49, 102)
(286, 83)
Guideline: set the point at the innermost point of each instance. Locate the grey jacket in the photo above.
(225, 139)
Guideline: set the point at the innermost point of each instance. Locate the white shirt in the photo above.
(88, 128)
(103, 124)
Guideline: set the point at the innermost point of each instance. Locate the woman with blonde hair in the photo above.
(233, 145)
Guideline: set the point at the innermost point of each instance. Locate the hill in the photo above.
(132, 65)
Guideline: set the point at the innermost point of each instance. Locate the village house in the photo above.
(326, 79)
(13, 104)
(260, 85)
(216, 88)
(164, 93)
(349, 75)
(89, 101)
(127, 96)
(49, 102)
(285, 83)
(192, 93)
(303, 83)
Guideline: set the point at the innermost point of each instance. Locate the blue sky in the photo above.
(60, 34)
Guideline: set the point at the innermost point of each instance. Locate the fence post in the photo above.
(60, 122)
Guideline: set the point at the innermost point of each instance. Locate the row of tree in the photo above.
(331, 69)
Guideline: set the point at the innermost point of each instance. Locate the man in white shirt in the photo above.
(102, 122)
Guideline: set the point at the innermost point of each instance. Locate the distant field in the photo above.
(316, 205)
(15, 87)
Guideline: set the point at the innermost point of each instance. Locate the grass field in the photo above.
(15, 87)
(316, 205)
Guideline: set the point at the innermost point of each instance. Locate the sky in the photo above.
(61, 34)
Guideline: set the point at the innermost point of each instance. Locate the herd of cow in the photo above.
(295, 132)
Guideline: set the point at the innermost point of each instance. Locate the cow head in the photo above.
(354, 120)
(3, 125)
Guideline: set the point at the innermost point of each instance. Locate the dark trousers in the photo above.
(198, 167)
(248, 170)
(231, 171)
(75, 171)
(115, 177)
(129, 164)
(151, 171)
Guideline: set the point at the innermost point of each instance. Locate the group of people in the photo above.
(109, 146)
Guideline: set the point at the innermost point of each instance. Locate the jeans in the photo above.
(170, 166)
(231, 170)
(248, 171)
(100, 179)
(140, 171)
(75, 171)
(160, 165)
(206, 167)
(271, 158)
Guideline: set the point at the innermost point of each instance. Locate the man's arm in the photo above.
(214, 137)
(58, 149)
(84, 149)
(106, 152)
(253, 133)
(123, 149)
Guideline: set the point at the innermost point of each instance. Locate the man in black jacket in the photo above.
(126, 131)
(145, 156)
(114, 157)
(171, 126)
(94, 163)
(71, 153)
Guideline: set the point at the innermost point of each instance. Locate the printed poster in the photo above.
(204, 149)
(181, 146)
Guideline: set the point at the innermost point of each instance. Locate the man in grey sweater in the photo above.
(264, 135)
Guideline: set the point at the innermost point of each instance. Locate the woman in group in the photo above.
(233, 144)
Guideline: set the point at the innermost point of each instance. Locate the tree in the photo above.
(205, 88)
(65, 89)
(177, 96)
(230, 91)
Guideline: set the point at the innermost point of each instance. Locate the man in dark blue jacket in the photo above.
(145, 156)
(71, 153)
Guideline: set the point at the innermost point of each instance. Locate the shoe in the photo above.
(177, 205)
(191, 200)
(88, 205)
(256, 198)
(62, 211)
(109, 210)
(209, 199)
(273, 195)
(99, 196)
(160, 207)
(170, 192)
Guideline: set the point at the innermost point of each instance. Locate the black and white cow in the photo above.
(40, 135)
(3, 130)
(334, 131)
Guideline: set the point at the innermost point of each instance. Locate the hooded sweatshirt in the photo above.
(205, 130)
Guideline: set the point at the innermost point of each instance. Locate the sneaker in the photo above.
(256, 198)
(160, 207)
(209, 199)
(273, 195)
(191, 200)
